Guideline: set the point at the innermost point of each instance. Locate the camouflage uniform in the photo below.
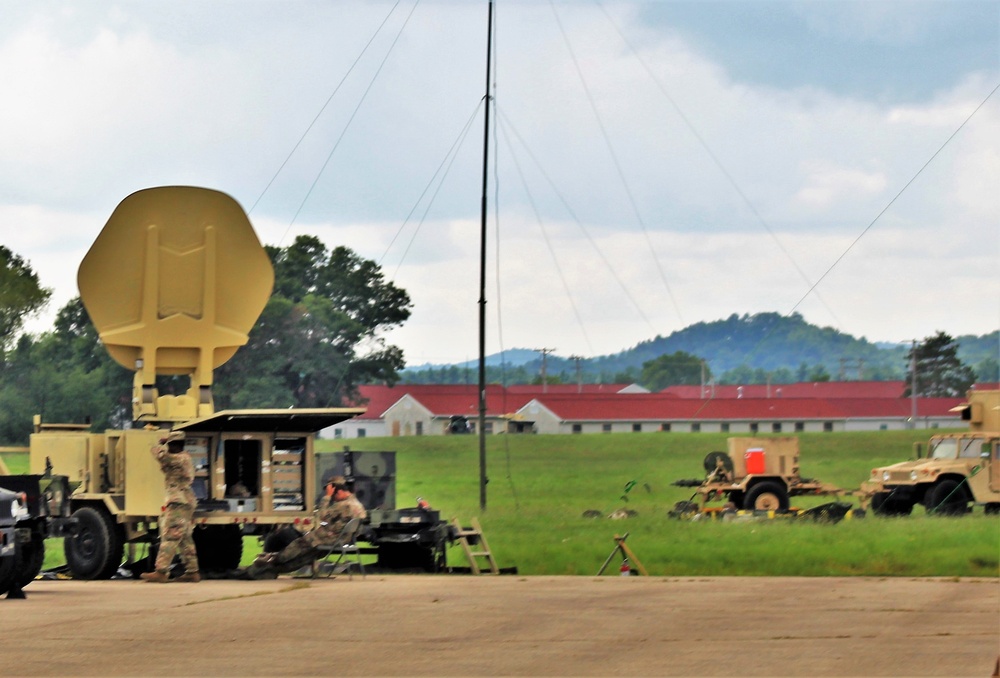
(330, 519)
(178, 511)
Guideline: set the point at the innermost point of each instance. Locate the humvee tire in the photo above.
(97, 548)
(766, 496)
(946, 499)
(32, 557)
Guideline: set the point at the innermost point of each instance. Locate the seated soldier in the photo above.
(334, 511)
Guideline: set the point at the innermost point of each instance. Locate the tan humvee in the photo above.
(956, 471)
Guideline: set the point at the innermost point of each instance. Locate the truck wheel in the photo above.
(220, 547)
(32, 557)
(946, 499)
(766, 496)
(8, 571)
(96, 550)
(992, 509)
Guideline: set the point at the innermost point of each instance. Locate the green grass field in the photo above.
(540, 486)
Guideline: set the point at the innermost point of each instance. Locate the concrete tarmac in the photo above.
(403, 625)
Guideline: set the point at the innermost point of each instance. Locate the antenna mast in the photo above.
(482, 275)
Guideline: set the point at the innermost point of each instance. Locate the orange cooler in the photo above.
(754, 458)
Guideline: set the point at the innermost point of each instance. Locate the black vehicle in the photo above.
(405, 539)
(32, 508)
(10, 508)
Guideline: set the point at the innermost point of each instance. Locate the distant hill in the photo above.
(746, 349)
(513, 357)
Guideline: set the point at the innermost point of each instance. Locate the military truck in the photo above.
(756, 474)
(32, 508)
(41, 509)
(956, 472)
(10, 556)
(174, 283)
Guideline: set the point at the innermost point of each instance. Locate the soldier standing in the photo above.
(178, 511)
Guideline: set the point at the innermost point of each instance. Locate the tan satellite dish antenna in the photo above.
(174, 283)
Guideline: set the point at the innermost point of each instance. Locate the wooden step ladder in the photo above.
(469, 537)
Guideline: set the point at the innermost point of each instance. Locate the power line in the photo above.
(323, 108)
(715, 159)
(616, 162)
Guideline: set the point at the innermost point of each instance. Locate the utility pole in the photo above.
(579, 373)
(913, 385)
(545, 352)
(849, 363)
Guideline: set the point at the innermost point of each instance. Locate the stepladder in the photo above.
(475, 547)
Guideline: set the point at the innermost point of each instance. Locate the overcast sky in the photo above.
(655, 164)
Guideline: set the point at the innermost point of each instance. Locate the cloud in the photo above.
(690, 195)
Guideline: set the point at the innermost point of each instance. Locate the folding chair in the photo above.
(344, 549)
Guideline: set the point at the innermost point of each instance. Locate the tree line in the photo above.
(933, 362)
(320, 336)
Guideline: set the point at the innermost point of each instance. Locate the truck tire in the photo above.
(766, 496)
(946, 498)
(32, 557)
(8, 571)
(96, 550)
(220, 547)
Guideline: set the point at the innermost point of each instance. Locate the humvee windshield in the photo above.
(952, 448)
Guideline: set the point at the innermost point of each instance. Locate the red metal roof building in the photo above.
(418, 409)
(815, 389)
(636, 413)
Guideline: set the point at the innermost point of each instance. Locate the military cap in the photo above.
(337, 481)
(174, 437)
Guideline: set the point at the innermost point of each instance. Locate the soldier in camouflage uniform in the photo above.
(334, 511)
(178, 510)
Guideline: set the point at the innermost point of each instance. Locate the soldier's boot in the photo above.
(155, 577)
(193, 577)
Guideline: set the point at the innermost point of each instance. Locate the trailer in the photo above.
(756, 474)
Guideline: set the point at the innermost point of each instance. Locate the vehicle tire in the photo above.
(766, 496)
(8, 571)
(96, 550)
(220, 547)
(32, 557)
(992, 509)
(946, 498)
